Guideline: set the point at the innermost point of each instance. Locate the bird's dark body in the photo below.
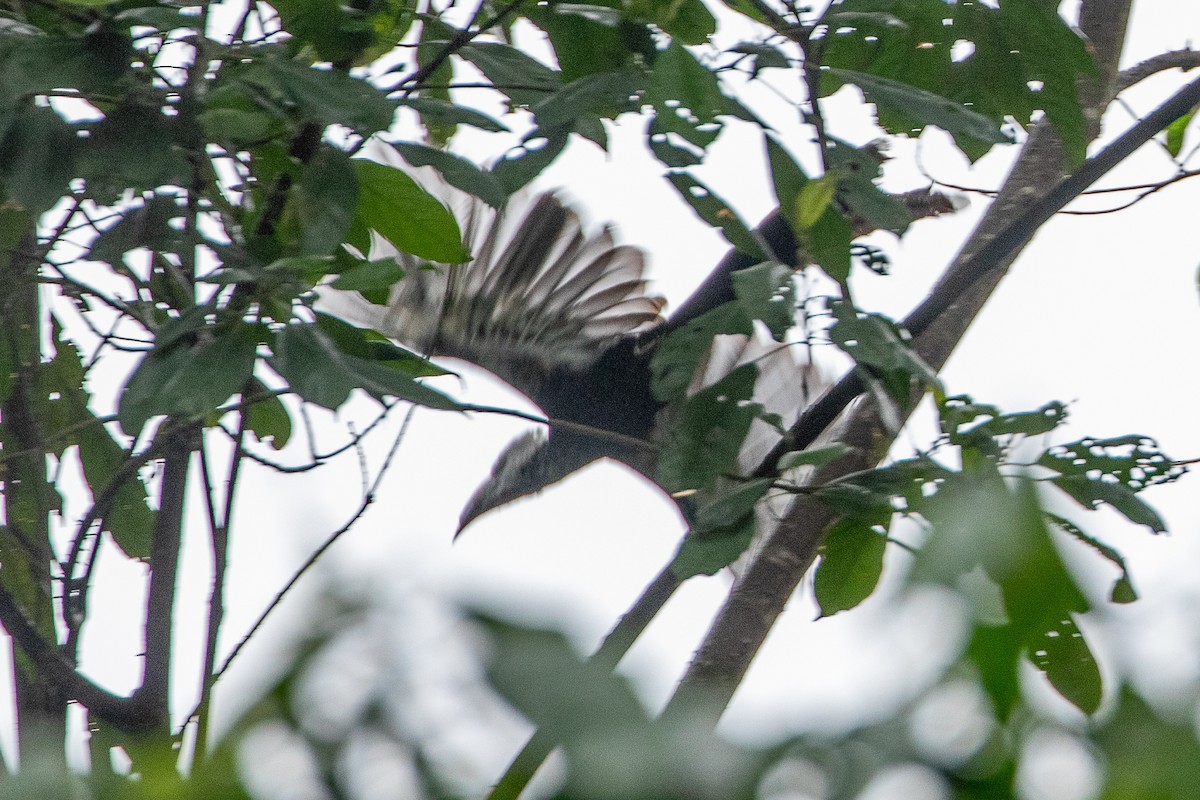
(563, 316)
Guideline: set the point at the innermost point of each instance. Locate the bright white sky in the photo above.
(1100, 312)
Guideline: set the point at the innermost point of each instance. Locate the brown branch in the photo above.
(56, 667)
(1187, 59)
(219, 535)
(770, 579)
(152, 697)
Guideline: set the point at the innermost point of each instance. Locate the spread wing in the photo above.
(540, 293)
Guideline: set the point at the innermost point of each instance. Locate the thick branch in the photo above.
(1185, 60)
(55, 667)
(759, 597)
(153, 695)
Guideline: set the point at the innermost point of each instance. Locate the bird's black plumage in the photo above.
(563, 316)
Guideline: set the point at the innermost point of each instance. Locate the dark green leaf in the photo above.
(320, 208)
(708, 551)
(393, 204)
(523, 78)
(587, 38)
(851, 563)
(331, 96)
(147, 226)
(37, 158)
(704, 443)
(813, 456)
(189, 380)
(337, 32)
(370, 275)
(670, 148)
(458, 171)
(716, 212)
(1063, 655)
(764, 56)
(1133, 461)
(317, 369)
(135, 146)
(765, 292)
(687, 21)
(681, 84)
(528, 160)
(730, 503)
(267, 417)
(601, 94)
(434, 109)
(924, 107)
(1091, 493)
(876, 342)
(676, 359)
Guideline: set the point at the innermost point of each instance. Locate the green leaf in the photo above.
(1133, 461)
(587, 39)
(680, 84)
(827, 243)
(850, 567)
(523, 78)
(875, 342)
(675, 360)
(370, 276)
(813, 456)
(529, 159)
(457, 171)
(687, 21)
(337, 32)
(443, 111)
(38, 64)
(189, 380)
(707, 551)
(602, 94)
(267, 417)
(1091, 493)
(148, 225)
(1062, 654)
(321, 205)
(134, 146)
(126, 514)
(717, 213)
(704, 443)
(923, 107)
(331, 96)
(723, 526)
(765, 292)
(393, 204)
(763, 56)
(1175, 133)
(1147, 756)
(814, 200)
(672, 149)
(318, 370)
(788, 179)
(730, 503)
(37, 158)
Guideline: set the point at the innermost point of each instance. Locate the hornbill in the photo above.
(564, 316)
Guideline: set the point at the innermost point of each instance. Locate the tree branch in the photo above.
(153, 696)
(1185, 60)
(769, 581)
(56, 667)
